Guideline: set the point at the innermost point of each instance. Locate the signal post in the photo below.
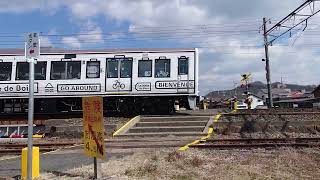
(32, 52)
(93, 131)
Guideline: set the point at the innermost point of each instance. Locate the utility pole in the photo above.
(235, 88)
(266, 44)
(32, 51)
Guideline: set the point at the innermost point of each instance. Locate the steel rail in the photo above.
(271, 113)
(37, 144)
(18, 151)
(317, 139)
(259, 143)
(254, 145)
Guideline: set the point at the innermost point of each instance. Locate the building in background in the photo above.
(255, 101)
(316, 94)
(276, 93)
(298, 99)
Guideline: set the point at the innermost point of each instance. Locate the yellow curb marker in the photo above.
(217, 117)
(187, 146)
(124, 126)
(204, 138)
(233, 111)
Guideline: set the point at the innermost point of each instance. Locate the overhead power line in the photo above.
(200, 35)
(252, 22)
(305, 11)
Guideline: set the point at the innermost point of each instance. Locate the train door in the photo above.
(183, 84)
(119, 74)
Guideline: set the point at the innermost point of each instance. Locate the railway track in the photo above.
(271, 113)
(258, 143)
(15, 149)
(40, 118)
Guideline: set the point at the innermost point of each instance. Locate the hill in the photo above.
(254, 88)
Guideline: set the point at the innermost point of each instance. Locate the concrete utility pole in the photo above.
(266, 44)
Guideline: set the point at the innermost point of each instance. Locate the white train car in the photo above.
(130, 80)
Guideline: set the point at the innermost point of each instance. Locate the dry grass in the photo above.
(208, 164)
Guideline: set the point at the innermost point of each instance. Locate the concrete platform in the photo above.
(166, 125)
(166, 129)
(172, 123)
(161, 134)
(173, 118)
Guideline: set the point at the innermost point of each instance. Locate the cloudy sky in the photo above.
(226, 32)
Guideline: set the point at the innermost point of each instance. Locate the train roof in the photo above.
(52, 51)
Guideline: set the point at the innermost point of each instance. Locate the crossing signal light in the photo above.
(245, 76)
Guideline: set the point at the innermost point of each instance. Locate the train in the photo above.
(136, 80)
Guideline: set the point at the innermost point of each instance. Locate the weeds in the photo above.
(210, 164)
(147, 169)
(155, 157)
(196, 161)
(181, 177)
(173, 156)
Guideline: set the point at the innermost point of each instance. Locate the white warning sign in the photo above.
(32, 45)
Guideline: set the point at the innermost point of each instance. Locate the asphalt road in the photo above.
(56, 162)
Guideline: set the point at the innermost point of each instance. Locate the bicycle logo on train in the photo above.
(118, 85)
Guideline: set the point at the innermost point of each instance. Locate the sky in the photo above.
(227, 33)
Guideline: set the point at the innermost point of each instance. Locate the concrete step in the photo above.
(177, 118)
(172, 123)
(134, 143)
(166, 129)
(135, 146)
(148, 139)
(195, 135)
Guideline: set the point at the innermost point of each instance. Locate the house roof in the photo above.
(296, 94)
(295, 100)
(316, 89)
(276, 91)
(49, 50)
(256, 96)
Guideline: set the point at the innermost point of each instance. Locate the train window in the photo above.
(126, 68)
(40, 71)
(112, 68)
(65, 70)
(5, 71)
(22, 72)
(162, 68)
(183, 66)
(93, 69)
(145, 68)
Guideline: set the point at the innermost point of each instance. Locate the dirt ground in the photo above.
(72, 128)
(79, 121)
(283, 163)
